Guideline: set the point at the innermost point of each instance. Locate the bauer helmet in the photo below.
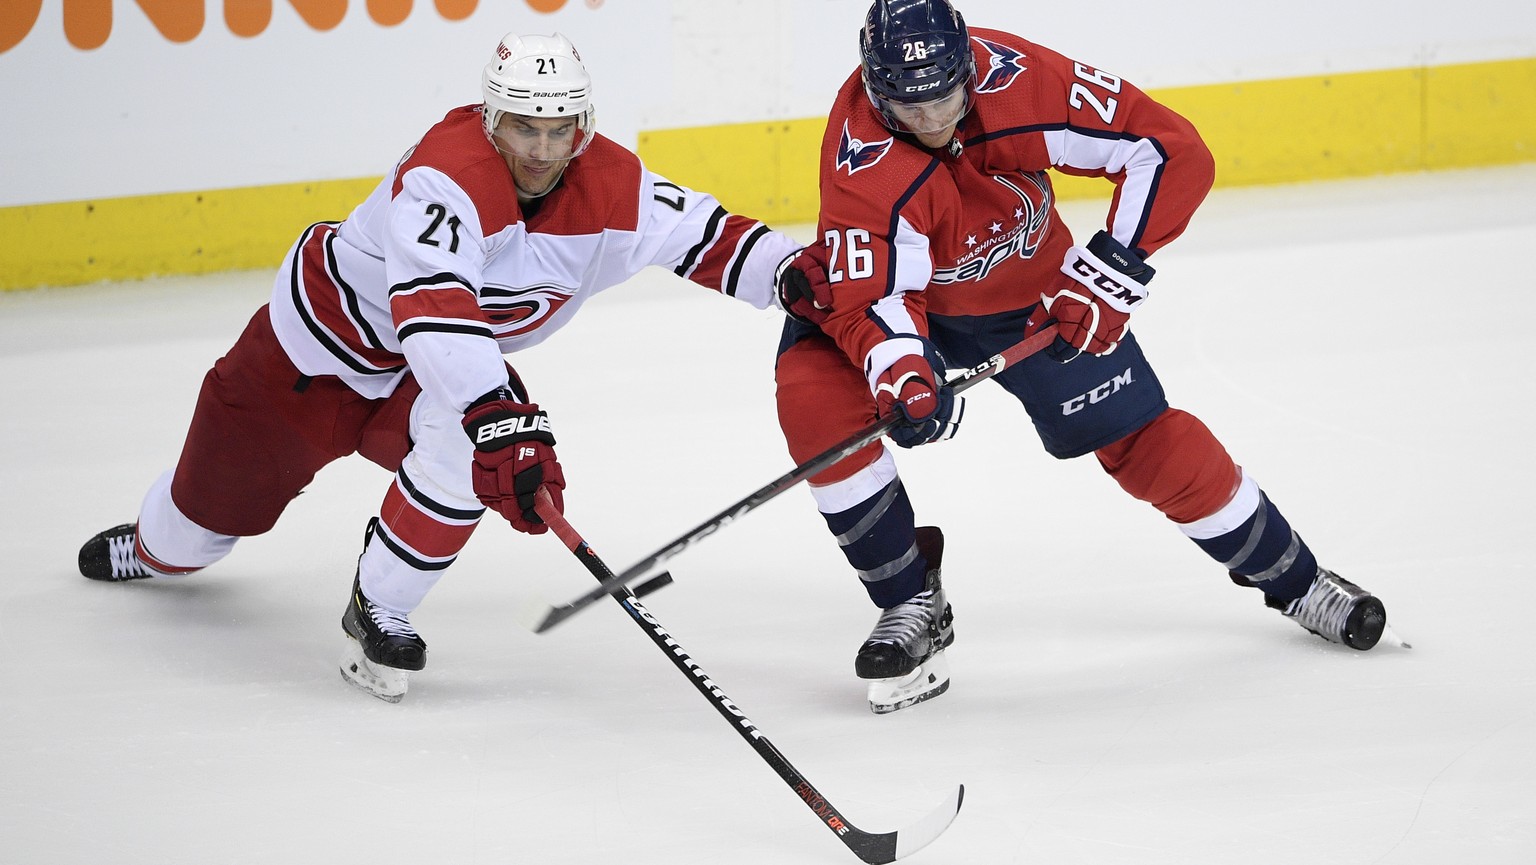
(538, 77)
(916, 62)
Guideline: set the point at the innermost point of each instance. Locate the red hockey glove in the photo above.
(514, 459)
(801, 286)
(1105, 281)
(913, 387)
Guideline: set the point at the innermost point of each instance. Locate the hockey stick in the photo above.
(868, 846)
(548, 616)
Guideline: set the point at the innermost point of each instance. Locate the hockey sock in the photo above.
(415, 539)
(168, 542)
(879, 538)
(1253, 540)
(1174, 464)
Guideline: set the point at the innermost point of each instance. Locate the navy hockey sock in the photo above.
(1265, 553)
(879, 537)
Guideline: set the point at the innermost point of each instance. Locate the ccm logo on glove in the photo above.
(927, 394)
(912, 388)
(1120, 295)
(1096, 320)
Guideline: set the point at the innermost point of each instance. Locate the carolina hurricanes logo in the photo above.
(516, 311)
(1003, 65)
(856, 156)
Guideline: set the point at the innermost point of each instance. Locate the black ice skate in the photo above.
(112, 556)
(381, 646)
(1336, 609)
(904, 654)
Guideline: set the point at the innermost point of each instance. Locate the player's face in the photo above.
(932, 122)
(536, 149)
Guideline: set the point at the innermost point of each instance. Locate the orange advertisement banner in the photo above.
(88, 23)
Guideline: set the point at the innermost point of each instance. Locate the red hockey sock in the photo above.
(1175, 464)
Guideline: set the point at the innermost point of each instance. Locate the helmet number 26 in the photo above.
(914, 51)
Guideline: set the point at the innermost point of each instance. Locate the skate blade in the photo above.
(386, 683)
(929, 680)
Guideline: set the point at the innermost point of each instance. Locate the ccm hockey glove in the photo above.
(914, 388)
(801, 286)
(1105, 281)
(514, 458)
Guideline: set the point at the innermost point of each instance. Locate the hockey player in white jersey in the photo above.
(385, 336)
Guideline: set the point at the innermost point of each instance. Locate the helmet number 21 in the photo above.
(861, 259)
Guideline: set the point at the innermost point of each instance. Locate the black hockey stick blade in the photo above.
(542, 618)
(875, 848)
(662, 579)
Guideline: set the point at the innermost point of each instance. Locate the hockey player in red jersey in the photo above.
(385, 336)
(941, 246)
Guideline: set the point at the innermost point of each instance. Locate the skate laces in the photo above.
(1326, 606)
(123, 556)
(390, 622)
(902, 624)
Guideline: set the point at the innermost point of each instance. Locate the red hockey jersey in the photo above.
(973, 230)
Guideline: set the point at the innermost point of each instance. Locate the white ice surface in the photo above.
(1361, 347)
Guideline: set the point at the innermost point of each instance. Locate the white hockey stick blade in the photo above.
(921, 834)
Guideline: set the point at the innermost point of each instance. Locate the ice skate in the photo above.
(381, 648)
(112, 556)
(904, 655)
(1337, 610)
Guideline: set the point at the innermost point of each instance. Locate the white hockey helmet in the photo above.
(539, 77)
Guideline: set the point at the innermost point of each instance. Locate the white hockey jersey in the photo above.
(441, 272)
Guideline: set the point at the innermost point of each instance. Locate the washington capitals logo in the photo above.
(1003, 65)
(856, 156)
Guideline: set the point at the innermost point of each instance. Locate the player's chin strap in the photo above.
(545, 617)
(869, 846)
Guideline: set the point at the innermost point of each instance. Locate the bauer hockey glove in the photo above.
(514, 458)
(801, 287)
(914, 387)
(1093, 304)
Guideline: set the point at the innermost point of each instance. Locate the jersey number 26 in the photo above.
(860, 258)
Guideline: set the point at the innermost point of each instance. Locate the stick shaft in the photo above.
(874, 848)
(985, 370)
